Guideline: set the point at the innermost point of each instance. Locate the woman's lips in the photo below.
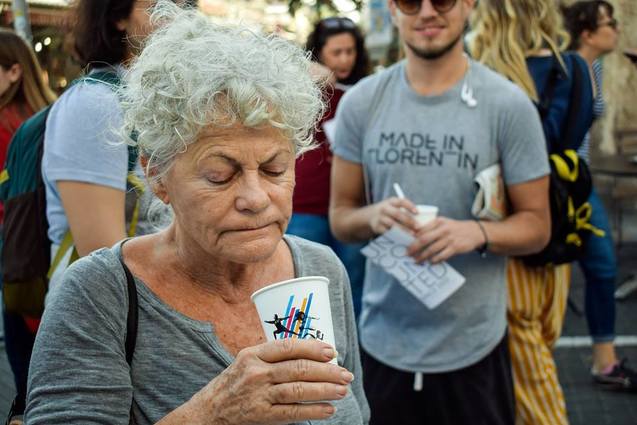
(251, 229)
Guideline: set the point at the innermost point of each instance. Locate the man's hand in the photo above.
(443, 238)
(391, 211)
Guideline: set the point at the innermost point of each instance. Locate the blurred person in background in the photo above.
(23, 92)
(338, 49)
(594, 33)
(525, 40)
(89, 201)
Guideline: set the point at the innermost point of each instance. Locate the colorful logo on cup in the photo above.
(297, 321)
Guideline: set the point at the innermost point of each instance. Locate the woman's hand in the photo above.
(266, 384)
(393, 211)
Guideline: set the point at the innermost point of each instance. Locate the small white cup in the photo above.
(426, 213)
(296, 308)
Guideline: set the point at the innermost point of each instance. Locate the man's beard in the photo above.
(433, 54)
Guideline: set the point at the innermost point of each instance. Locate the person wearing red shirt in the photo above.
(23, 92)
(337, 46)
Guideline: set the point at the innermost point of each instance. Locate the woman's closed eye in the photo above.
(220, 178)
(274, 171)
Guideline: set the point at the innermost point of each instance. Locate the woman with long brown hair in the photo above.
(23, 91)
(524, 40)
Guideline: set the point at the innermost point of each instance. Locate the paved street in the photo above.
(587, 405)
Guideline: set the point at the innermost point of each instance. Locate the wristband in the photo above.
(482, 249)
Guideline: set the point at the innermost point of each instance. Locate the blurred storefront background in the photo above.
(52, 20)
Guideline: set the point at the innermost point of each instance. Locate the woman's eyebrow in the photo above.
(274, 156)
(232, 161)
(218, 155)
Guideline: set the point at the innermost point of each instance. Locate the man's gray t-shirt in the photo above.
(434, 146)
(79, 374)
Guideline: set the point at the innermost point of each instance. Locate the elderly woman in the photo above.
(220, 114)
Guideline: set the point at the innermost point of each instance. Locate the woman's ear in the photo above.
(156, 183)
(15, 73)
(122, 25)
(585, 37)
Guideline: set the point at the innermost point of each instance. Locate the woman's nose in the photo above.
(252, 196)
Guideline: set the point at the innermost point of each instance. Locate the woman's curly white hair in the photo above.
(194, 73)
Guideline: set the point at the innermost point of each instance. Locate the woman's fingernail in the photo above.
(341, 391)
(329, 352)
(347, 376)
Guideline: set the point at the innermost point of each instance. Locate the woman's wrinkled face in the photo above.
(339, 54)
(231, 192)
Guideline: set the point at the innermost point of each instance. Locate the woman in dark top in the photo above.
(337, 45)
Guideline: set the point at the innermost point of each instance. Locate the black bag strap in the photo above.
(572, 121)
(556, 74)
(549, 90)
(131, 318)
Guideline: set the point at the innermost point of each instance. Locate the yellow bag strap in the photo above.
(582, 217)
(4, 176)
(67, 242)
(65, 245)
(563, 169)
(139, 188)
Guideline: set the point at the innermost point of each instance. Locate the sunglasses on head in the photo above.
(412, 7)
(612, 22)
(336, 22)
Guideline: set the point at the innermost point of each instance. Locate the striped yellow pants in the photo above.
(537, 299)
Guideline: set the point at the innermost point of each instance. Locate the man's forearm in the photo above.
(351, 224)
(521, 233)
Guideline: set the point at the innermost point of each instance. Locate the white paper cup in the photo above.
(426, 213)
(296, 308)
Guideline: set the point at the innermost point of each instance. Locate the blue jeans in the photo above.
(316, 228)
(19, 345)
(600, 271)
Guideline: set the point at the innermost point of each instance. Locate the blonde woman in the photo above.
(524, 40)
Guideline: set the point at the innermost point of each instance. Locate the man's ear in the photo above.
(392, 10)
(156, 182)
(470, 6)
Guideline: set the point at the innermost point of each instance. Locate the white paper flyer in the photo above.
(430, 283)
